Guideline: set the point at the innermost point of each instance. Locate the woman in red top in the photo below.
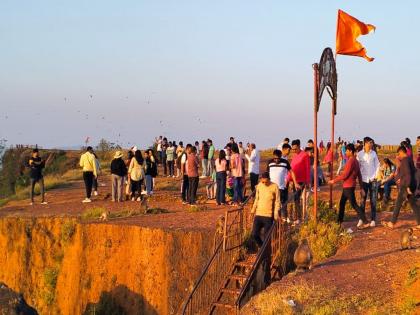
(349, 176)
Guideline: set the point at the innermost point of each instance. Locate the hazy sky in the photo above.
(197, 69)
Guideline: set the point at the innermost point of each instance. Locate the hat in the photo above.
(118, 155)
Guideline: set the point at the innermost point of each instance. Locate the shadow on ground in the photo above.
(13, 303)
(120, 301)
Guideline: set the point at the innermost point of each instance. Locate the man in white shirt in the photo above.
(278, 169)
(253, 166)
(369, 168)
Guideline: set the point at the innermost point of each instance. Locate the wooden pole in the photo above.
(333, 103)
(315, 166)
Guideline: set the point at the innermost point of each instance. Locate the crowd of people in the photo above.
(225, 173)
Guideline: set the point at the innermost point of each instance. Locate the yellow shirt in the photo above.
(267, 201)
(88, 163)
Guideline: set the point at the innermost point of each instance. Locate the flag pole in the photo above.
(334, 106)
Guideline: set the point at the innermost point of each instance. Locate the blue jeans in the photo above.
(237, 190)
(387, 189)
(221, 187)
(372, 188)
(149, 184)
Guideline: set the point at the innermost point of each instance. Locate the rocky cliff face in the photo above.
(62, 266)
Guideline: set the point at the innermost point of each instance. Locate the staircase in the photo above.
(232, 275)
(233, 284)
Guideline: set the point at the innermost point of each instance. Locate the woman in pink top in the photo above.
(192, 171)
(221, 168)
(237, 173)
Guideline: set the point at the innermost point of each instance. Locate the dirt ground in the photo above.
(68, 202)
(371, 265)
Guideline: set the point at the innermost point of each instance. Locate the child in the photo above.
(211, 186)
(229, 186)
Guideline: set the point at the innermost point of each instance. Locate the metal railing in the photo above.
(260, 275)
(219, 266)
(221, 262)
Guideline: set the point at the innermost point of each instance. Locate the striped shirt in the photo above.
(278, 172)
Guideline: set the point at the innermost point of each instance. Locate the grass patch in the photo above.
(156, 211)
(413, 275)
(92, 213)
(48, 297)
(72, 175)
(67, 231)
(50, 183)
(197, 208)
(50, 277)
(125, 213)
(168, 185)
(314, 300)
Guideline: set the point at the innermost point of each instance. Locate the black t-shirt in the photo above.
(36, 165)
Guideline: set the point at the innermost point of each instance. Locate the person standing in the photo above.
(95, 180)
(136, 173)
(197, 147)
(285, 141)
(253, 165)
(184, 174)
(163, 161)
(127, 179)
(301, 167)
(278, 169)
(159, 148)
(179, 151)
(221, 175)
(204, 155)
(266, 207)
(36, 165)
(236, 167)
(118, 173)
(192, 171)
(406, 182)
(88, 164)
(349, 176)
(369, 167)
(150, 171)
(210, 166)
(170, 158)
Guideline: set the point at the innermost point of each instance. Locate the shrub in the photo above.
(324, 238)
(92, 213)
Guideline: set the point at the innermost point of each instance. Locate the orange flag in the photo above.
(348, 30)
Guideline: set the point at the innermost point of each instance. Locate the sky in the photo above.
(128, 71)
